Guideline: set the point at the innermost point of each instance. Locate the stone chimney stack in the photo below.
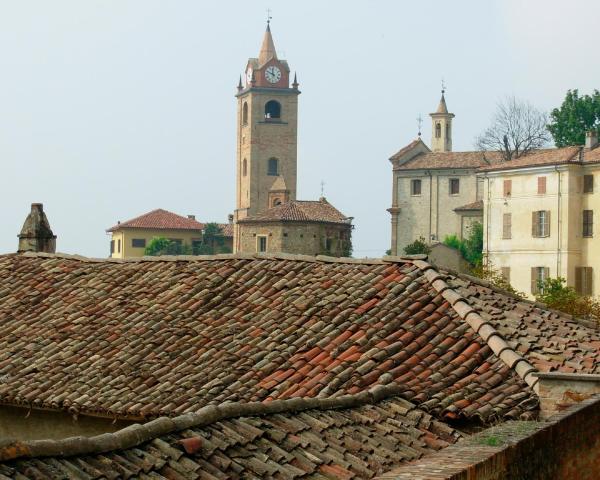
(36, 234)
(591, 139)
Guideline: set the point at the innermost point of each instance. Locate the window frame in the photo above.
(138, 240)
(269, 117)
(413, 183)
(540, 224)
(537, 279)
(587, 230)
(507, 188)
(259, 241)
(541, 185)
(452, 182)
(584, 281)
(270, 172)
(245, 114)
(588, 183)
(506, 226)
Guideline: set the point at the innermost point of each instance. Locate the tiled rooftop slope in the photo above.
(164, 336)
(353, 436)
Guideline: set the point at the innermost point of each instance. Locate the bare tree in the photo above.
(517, 128)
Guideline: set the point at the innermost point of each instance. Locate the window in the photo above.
(138, 242)
(245, 114)
(244, 167)
(328, 245)
(507, 226)
(273, 167)
(454, 186)
(588, 223)
(540, 223)
(415, 187)
(275, 202)
(588, 184)
(272, 110)
(538, 277)
(583, 280)
(541, 185)
(447, 131)
(507, 188)
(112, 247)
(261, 243)
(505, 272)
(438, 130)
(119, 246)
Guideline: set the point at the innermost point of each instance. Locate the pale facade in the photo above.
(132, 242)
(539, 221)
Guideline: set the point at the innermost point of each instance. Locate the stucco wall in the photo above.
(24, 424)
(127, 235)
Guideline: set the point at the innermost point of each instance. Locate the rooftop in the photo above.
(159, 219)
(300, 211)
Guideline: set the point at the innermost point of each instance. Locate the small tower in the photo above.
(441, 127)
(36, 234)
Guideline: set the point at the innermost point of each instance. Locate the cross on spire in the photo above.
(269, 17)
(420, 123)
(443, 86)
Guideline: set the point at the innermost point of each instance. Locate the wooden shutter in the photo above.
(507, 187)
(588, 281)
(534, 280)
(546, 273)
(547, 231)
(579, 280)
(535, 224)
(541, 185)
(507, 225)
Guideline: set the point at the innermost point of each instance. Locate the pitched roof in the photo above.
(400, 153)
(164, 336)
(477, 205)
(267, 49)
(441, 160)
(226, 229)
(346, 437)
(300, 211)
(160, 219)
(547, 156)
(442, 108)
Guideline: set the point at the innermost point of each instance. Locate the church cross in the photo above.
(420, 123)
(322, 188)
(269, 17)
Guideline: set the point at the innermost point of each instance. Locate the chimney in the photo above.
(557, 391)
(591, 139)
(192, 217)
(36, 234)
(230, 218)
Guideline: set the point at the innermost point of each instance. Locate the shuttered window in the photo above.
(507, 226)
(112, 247)
(505, 272)
(540, 223)
(588, 223)
(507, 188)
(454, 186)
(583, 280)
(538, 276)
(415, 187)
(541, 185)
(588, 184)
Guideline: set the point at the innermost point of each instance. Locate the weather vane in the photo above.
(269, 17)
(443, 86)
(420, 123)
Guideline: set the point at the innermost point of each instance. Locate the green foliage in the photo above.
(557, 295)
(576, 115)
(471, 249)
(490, 274)
(388, 252)
(163, 246)
(417, 247)
(213, 241)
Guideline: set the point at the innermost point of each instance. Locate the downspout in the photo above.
(558, 224)
(487, 222)
(428, 172)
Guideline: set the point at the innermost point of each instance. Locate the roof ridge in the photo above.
(136, 434)
(494, 339)
(226, 256)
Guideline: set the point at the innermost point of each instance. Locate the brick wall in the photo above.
(566, 446)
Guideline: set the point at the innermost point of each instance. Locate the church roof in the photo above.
(169, 335)
(267, 49)
(444, 160)
(159, 219)
(300, 211)
(442, 108)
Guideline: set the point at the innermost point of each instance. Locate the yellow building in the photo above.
(130, 238)
(539, 217)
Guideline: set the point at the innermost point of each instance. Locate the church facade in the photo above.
(268, 217)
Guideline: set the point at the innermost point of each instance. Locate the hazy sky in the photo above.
(112, 108)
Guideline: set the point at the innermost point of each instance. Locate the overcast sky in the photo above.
(112, 108)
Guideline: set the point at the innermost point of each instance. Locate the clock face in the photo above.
(248, 76)
(273, 74)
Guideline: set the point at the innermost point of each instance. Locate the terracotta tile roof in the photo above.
(347, 437)
(160, 219)
(592, 155)
(478, 205)
(300, 211)
(226, 229)
(439, 160)
(400, 153)
(162, 336)
(548, 156)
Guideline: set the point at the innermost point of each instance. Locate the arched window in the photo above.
(273, 167)
(276, 201)
(438, 130)
(272, 110)
(244, 168)
(245, 114)
(447, 131)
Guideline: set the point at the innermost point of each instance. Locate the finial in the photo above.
(269, 17)
(240, 87)
(443, 86)
(420, 124)
(295, 83)
(322, 189)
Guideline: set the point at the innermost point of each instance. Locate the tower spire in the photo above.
(441, 126)
(267, 50)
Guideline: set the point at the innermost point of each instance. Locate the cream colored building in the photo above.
(435, 191)
(267, 144)
(130, 238)
(539, 217)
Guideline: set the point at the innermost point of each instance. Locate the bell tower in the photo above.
(441, 127)
(267, 131)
